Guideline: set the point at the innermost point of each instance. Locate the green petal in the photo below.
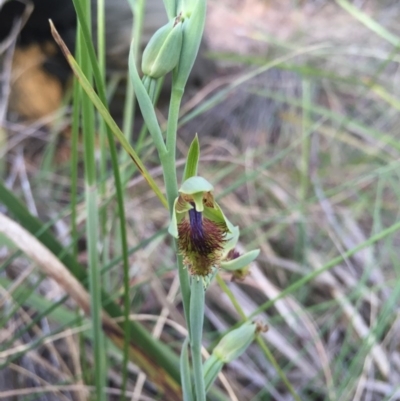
(231, 240)
(216, 214)
(240, 262)
(173, 226)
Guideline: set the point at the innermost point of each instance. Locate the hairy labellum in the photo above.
(200, 242)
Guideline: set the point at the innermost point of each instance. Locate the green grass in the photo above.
(316, 188)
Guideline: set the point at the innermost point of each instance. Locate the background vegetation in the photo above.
(298, 127)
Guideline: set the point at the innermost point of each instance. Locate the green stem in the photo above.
(173, 116)
(92, 232)
(98, 71)
(74, 163)
(196, 326)
(186, 381)
(276, 366)
(231, 296)
(171, 185)
(102, 131)
(169, 171)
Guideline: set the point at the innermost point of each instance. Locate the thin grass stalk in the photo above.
(102, 133)
(301, 243)
(196, 332)
(332, 263)
(99, 78)
(92, 235)
(138, 8)
(74, 162)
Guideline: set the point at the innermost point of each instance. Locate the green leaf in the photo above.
(212, 367)
(186, 380)
(240, 262)
(194, 13)
(192, 160)
(146, 105)
(107, 117)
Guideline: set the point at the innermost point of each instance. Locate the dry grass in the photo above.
(337, 337)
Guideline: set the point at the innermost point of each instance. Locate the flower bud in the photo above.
(233, 344)
(163, 51)
(230, 347)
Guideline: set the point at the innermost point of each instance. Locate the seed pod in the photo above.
(162, 53)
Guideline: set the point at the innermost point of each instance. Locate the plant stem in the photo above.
(196, 332)
(173, 116)
(186, 372)
(171, 185)
(92, 231)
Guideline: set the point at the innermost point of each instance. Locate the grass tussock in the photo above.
(298, 128)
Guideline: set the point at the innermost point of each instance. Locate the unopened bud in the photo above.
(230, 347)
(163, 51)
(233, 344)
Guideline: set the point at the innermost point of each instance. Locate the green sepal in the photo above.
(194, 185)
(173, 225)
(241, 261)
(192, 159)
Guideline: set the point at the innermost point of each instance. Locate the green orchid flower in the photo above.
(200, 226)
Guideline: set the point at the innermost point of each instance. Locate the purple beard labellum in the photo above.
(200, 242)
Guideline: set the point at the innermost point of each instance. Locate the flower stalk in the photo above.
(204, 237)
(196, 325)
